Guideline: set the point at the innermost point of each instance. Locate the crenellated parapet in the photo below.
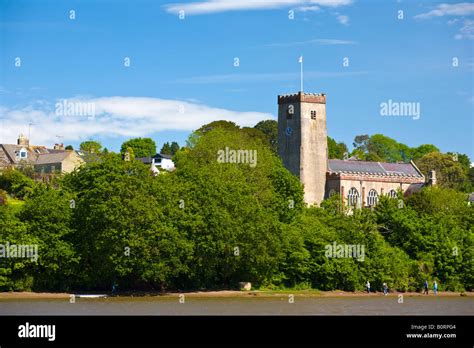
(301, 97)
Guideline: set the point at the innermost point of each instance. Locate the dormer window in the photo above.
(23, 154)
(313, 115)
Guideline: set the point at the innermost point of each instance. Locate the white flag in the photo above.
(300, 60)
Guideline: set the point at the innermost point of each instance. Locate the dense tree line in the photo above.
(209, 225)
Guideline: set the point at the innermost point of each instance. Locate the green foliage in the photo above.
(449, 173)
(423, 150)
(90, 146)
(226, 125)
(16, 183)
(379, 147)
(47, 215)
(16, 274)
(336, 150)
(435, 227)
(270, 129)
(210, 225)
(69, 147)
(168, 149)
(142, 147)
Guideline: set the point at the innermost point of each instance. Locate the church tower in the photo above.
(302, 141)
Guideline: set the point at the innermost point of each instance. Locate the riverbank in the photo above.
(230, 294)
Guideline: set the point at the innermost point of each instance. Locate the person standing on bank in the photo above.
(435, 288)
(385, 289)
(425, 292)
(368, 287)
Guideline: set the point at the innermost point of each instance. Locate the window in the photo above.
(313, 115)
(353, 197)
(372, 198)
(392, 194)
(53, 169)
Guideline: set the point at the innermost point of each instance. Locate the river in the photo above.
(279, 305)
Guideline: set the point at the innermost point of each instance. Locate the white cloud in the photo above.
(314, 41)
(344, 20)
(115, 116)
(460, 9)
(308, 8)
(216, 6)
(466, 31)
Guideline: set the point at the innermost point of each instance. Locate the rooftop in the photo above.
(374, 168)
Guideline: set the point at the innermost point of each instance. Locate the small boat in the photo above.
(90, 296)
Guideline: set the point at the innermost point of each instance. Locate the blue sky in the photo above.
(182, 72)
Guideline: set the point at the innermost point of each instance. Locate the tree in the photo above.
(270, 129)
(336, 150)
(234, 211)
(168, 149)
(385, 148)
(228, 125)
(142, 147)
(47, 214)
(69, 147)
(360, 142)
(121, 232)
(174, 148)
(16, 183)
(449, 173)
(91, 146)
(420, 151)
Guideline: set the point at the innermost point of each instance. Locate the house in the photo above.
(158, 161)
(44, 161)
(58, 162)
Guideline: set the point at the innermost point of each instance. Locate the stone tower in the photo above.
(302, 141)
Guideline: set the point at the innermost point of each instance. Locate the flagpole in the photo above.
(301, 74)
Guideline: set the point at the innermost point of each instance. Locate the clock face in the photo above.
(289, 131)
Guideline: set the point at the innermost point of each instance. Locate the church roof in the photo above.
(374, 168)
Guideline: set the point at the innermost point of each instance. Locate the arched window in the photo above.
(353, 197)
(372, 198)
(392, 194)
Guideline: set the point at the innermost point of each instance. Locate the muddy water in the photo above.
(242, 306)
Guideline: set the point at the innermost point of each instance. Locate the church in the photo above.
(303, 149)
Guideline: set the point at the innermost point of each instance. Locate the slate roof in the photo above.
(148, 160)
(374, 168)
(36, 154)
(12, 149)
(162, 155)
(56, 157)
(145, 160)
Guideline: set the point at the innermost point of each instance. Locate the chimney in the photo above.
(59, 146)
(432, 178)
(22, 140)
